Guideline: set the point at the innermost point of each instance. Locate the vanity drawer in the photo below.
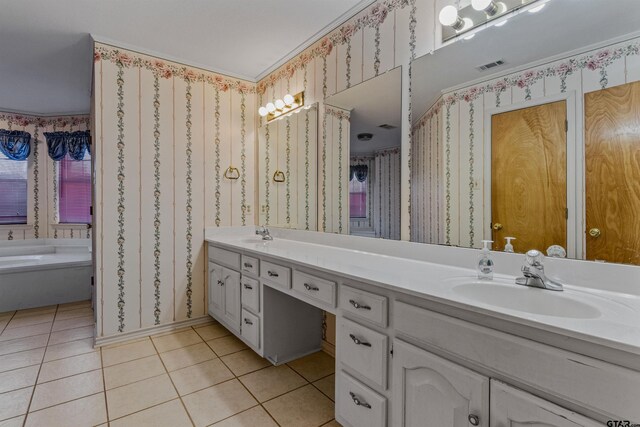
(225, 257)
(357, 404)
(315, 288)
(250, 265)
(363, 350)
(276, 274)
(250, 294)
(364, 304)
(250, 328)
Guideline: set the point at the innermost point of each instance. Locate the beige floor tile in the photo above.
(74, 305)
(35, 311)
(314, 366)
(71, 335)
(73, 313)
(327, 385)
(304, 407)
(18, 378)
(132, 371)
(332, 423)
(210, 332)
(187, 356)
(170, 414)
(15, 403)
(226, 345)
(3, 324)
(244, 361)
(6, 315)
(66, 389)
(271, 382)
(21, 359)
(13, 422)
(25, 331)
(30, 319)
(69, 366)
(88, 411)
(68, 349)
(76, 322)
(203, 375)
(176, 340)
(127, 352)
(254, 417)
(23, 344)
(218, 402)
(140, 395)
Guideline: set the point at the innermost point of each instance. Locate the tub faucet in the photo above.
(533, 272)
(264, 232)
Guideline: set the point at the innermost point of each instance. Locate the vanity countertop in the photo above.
(612, 319)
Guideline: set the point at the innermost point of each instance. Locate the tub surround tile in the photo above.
(75, 322)
(244, 361)
(213, 331)
(304, 407)
(226, 345)
(87, 411)
(254, 417)
(314, 366)
(126, 352)
(200, 376)
(175, 340)
(71, 335)
(187, 356)
(327, 386)
(271, 382)
(23, 344)
(169, 414)
(15, 403)
(216, 403)
(66, 389)
(69, 366)
(21, 359)
(18, 378)
(25, 331)
(140, 395)
(68, 349)
(132, 371)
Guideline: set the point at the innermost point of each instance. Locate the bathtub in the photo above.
(40, 272)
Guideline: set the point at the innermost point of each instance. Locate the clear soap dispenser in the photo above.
(485, 263)
(508, 247)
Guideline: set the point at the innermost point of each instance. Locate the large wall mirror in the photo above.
(373, 108)
(531, 130)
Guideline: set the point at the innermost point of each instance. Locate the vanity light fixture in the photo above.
(288, 104)
(489, 7)
(449, 17)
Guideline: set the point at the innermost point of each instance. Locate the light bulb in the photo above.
(271, 108)
(448, 15)
(263, 111)
(481, 4)
(288, 99)
(279, 104)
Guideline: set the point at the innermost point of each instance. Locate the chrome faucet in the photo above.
(264, 232)
(533, 272)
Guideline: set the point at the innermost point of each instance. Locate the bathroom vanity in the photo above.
(426, 343)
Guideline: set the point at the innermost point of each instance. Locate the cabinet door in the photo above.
(429, 391)
(232, 285)
(216, 290)
(511, 407)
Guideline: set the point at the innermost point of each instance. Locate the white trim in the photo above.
(573, 187)
(151, 330)
(43, 115)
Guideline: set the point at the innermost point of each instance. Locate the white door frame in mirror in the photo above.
(575, 168)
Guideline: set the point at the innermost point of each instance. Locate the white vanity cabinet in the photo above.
(224, 295)
(216, 290)
(431, 391)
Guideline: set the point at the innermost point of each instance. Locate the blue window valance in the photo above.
(15, 144)
(75, 143)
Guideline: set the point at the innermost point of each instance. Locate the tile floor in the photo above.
(50, 375)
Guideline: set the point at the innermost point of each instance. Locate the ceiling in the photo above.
(46, 45)
(372, 103)
(561, 26)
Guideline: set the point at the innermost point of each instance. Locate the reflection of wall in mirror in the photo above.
(449, 139)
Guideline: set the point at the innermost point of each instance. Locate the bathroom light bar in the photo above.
(288, 104)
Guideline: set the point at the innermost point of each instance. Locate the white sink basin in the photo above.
(529, 300)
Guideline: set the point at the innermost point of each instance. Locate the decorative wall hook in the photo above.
(278, 176)
(232, 173)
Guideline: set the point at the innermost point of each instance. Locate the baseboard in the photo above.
(329, 348)
(151, 330)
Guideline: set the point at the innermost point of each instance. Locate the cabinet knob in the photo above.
(497, 226)
(358, 305)
(474, 420)
(220, 282)
(359, 341)
(359, 402)
(595, 232)
(311, 287)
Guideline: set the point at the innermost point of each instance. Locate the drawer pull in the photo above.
(311, 287)
(220, 282)
(248, 265)
(360, 306)
(247, 321)
(474, 420)
(359, 342)
(247, 286)
(272, 273)
(359, 402)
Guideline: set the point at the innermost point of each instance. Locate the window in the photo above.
(13, 191)
(358, 198)
(75, 190)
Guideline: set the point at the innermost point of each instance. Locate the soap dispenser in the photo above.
(485, 263)
(508, 247)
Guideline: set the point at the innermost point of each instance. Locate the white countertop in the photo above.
(613, 323)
